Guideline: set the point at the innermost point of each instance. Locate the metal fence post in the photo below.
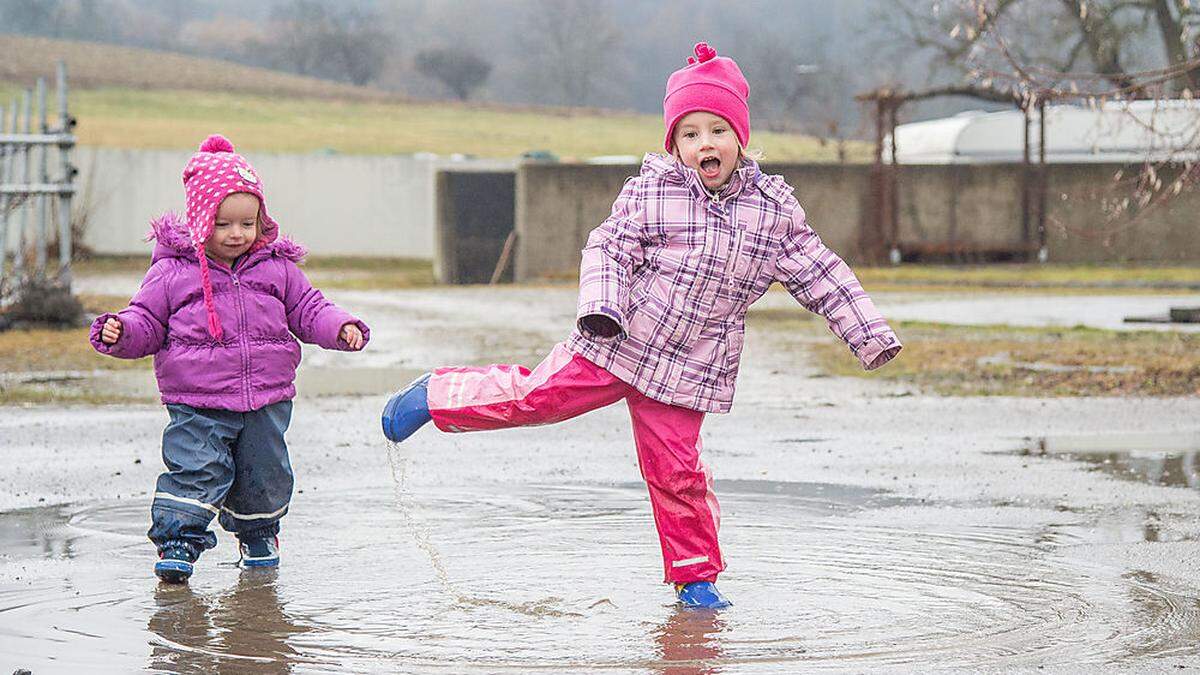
(64, 198)
(28, 200)
(43, 201)
(26, 175)
(3, 200)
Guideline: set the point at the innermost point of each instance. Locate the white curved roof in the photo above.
(1113, 132)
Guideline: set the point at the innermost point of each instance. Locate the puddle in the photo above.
(565, 578)
(1169, 460)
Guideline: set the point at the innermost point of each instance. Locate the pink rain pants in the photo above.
(565, 385)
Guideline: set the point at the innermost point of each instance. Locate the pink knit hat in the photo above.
(710, 83)
(211, 175)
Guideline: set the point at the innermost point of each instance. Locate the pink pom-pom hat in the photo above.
(710, 83)
(211, 175)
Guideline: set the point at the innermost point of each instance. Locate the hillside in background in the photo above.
(136, 98)
(93, 65)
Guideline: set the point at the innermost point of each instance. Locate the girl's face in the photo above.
(235, 229)
(706, 143)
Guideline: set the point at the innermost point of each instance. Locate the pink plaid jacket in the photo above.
(677, 270)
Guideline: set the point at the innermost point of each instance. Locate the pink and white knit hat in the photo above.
(710, 83)
(211, 175)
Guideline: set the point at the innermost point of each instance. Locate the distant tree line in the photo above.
(596, 53)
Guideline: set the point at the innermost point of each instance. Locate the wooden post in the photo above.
(1043, 252)
(893, 189)
(1026, 184)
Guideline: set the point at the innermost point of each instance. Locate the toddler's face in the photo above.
(707, 143)
(235, 229)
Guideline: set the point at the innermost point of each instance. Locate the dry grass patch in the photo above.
(1042, 278)
(62, 349)
(973, 361)
(361, 274)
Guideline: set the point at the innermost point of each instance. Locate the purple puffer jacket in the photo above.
(261, 304)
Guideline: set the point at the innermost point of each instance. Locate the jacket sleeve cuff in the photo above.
(94, 335)
(605, 309)
(362, 327)
(878, 350)
(329, 335)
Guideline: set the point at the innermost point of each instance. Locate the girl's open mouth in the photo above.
(711, 167)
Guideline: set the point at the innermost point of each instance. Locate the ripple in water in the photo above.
(566, 577)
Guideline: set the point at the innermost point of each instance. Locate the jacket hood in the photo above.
(172, 240)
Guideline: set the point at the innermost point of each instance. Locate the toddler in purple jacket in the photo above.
(218, 309)
(664, 284)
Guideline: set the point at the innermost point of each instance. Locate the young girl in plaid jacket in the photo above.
(665, 282)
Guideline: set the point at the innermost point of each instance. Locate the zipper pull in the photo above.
(235, 279)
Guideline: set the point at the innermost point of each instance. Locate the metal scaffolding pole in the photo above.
(26, 175)
(64, 198)
(4, 151)
(43, 201)
(31, 203)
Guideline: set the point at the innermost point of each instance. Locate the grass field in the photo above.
(130, 98)
(1012, 361)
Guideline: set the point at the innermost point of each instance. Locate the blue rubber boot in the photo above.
(407, 410)
(262, 552)
(701, 595)
(174, 564)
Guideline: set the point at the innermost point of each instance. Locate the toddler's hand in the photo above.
(352, 336)
(111, 332)
(601, 325)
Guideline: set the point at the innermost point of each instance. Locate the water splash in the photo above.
(546, 607)
(398, 460)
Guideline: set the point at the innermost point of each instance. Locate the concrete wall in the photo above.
(559, 204)
(380, 206)
(1078, 231)
(974, 207)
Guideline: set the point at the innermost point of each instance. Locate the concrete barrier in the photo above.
(975, 207)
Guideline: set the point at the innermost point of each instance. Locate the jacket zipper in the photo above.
(237, 286)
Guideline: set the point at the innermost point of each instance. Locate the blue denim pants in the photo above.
(222, 463)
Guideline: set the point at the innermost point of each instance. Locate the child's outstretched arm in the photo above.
(613, 251)
(825, 285)
(140, 328)
(318, 321)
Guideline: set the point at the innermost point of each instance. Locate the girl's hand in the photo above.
(111, 332)
(352, 336)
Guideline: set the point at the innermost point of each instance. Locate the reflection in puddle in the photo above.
(564, 578)
(240, 630)
(1166, 460)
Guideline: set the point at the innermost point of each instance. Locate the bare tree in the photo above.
(1086, 52)
(309, 38)
(1110, 43)
(574, 48)
(461, 71)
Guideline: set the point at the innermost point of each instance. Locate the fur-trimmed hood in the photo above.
(170, 234)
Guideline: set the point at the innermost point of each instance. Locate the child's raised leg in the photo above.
(262, 485)
(562, 386)
(685, 507)
(196, 450)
